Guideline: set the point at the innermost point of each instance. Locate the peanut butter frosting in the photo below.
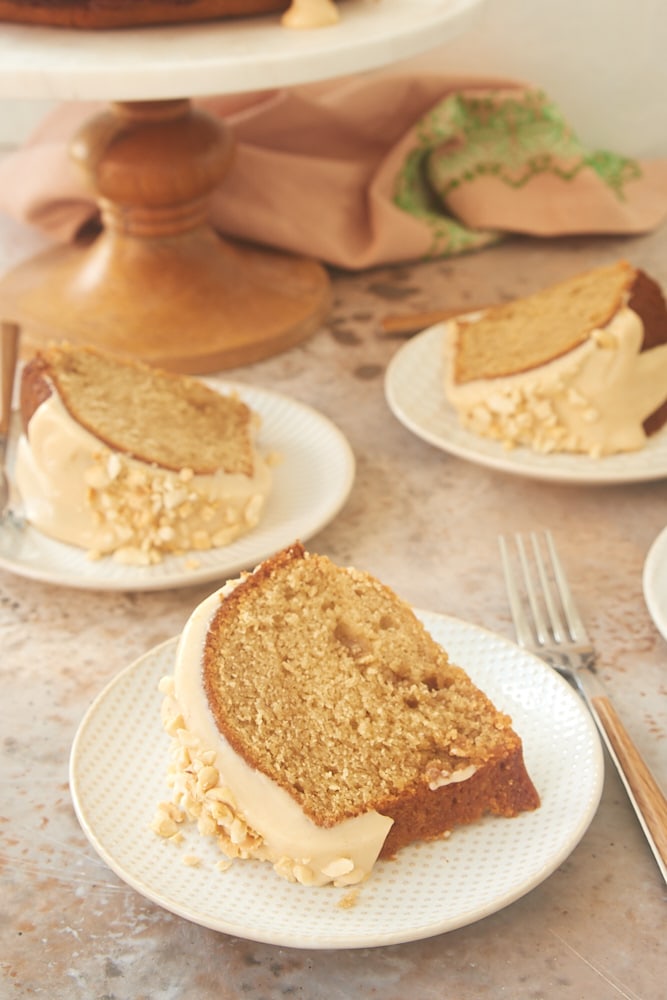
(76, 489)
(594, 399)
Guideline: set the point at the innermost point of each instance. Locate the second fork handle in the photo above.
(647, 794)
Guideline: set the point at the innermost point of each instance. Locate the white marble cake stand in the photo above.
(157, 283)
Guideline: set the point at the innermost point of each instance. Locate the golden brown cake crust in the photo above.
(648, 301)
(130, 13)
(501, 788)
(357, 708)
(172, 421)
(35, 387)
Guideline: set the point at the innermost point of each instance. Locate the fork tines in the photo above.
(542, 606)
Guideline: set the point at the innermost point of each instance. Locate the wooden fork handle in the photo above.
(405, 324)
(9, 343)
(648, 794)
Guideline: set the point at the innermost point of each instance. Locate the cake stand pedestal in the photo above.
(158, 283)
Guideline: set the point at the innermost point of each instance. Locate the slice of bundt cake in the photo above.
(318, 725)
(118, 457)
(580, 366)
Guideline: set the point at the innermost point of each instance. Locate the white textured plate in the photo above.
(118, 771)
(310, 485)
(654, 581)
(414, 387)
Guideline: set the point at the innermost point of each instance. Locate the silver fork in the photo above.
(547, 623)
(9, 343)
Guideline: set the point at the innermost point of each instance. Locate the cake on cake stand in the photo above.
(157, 282)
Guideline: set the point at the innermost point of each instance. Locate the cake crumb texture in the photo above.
(529, 332)
(157, 417)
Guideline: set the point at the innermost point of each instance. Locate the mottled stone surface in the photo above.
(427, 524)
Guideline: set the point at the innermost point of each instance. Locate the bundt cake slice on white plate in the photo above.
(580, 366)
(317, 725)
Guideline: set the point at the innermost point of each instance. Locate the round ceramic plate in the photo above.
(310, 485)
(654, 581)
(414, 388)
(118, 769)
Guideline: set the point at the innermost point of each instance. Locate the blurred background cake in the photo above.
(133, 13)
(580, 366)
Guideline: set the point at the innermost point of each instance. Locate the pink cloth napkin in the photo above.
(373, 170)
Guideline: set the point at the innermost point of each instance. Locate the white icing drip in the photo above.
(452, 778)
(287, 833)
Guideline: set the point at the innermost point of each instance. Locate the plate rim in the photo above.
(490, 454)
(469, 915)
(249, 54)
(138, 579)
(655, 559)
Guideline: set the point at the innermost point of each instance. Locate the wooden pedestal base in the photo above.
(158, 284)
(202, 306)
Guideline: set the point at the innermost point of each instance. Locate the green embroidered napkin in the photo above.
(484, 163)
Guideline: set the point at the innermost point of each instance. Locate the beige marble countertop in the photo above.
(427, 524)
